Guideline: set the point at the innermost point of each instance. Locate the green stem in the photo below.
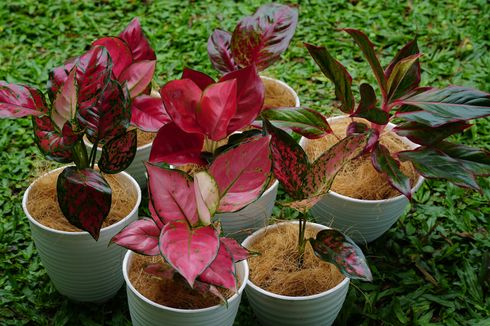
(80, 155)
(301, 240)
(93, 154)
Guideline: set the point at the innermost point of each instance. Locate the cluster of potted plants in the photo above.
(216, 153)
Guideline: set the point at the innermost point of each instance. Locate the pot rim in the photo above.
(257, 233)
(332, 193)
(295, 95)
(80, 233)
(140, 148)
(236, 296)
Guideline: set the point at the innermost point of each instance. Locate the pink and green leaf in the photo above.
(118, 153)
(236, 250)
(189, 251)
(148, 113)
(141, 236)
(367, 107)
(426, 135)
(404, 78)
(219, 51)
(57, 77)
(474, 159)
(135, 38)
(138, 76)
(409, 49)
(199, 78)
(207, 196)
(119, 51)
(334, 247)
(85, 198)
(221, 272)
(65, 104)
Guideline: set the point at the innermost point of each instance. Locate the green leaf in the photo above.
(474, 159)
(337, 73)
(367, 107)
(436, 107)
(306, 122)
(404, 77)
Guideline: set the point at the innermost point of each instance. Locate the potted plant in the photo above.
(260, 40)
(288, 285)
(98, 200)
(198, 263)
(427, 115)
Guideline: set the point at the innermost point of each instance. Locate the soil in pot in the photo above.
(43, 206)
(276, 269)
(276, 95)
(359, 179)
(173, 292)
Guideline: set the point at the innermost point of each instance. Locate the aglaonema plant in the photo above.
(306, 182)
(88, 102)
(429, 116)
(256, 40)
(181, 227)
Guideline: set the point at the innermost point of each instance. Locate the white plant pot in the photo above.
(80, 267)
(145, 312)
(286, 86)
(362, 220)
(312, 310)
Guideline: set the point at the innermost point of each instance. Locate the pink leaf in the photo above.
(181, 98)
(250, 97)
(217, 107)
(119, 51)
(172, 194)
(172, 145)
(141, 236)
(137, 42)
(207, 196)
(65, 103)
(219, 51)
(189, 251)
(157, 219)
(200, 79)
(57, 77)
(237, 251)
(242, 173)
(18, 101)
(138, 76)
(148, 113)
(221, 272)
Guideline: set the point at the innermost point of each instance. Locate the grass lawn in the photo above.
(425, 267)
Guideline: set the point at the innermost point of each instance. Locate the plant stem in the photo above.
(301, 239)
(93, 154)
(80, 155)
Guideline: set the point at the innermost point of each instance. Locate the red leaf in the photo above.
(119, 51)
(172, 145)
(367, 107)
(189, 251)
(118, 153)
(217, 107)
(148, 113)
(262, 38)
(57, 77)
(242, 173)
(53, 144)
(221, 272)
(181, 98)
(237, 251)
(219, 51)
(140, 236)
(153, 213)
(200, 79)
(18, 101)
(173, 196)
(85, 198)
(250, 97)
(134, 36)
(138, 76)
(65, 103)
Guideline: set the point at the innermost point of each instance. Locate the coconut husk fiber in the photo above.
(276, 95)
(276, 268)
(43, 205)
(359, 179)
(175, 292)
(144, 137)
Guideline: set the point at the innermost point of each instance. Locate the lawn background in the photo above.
(425, 267)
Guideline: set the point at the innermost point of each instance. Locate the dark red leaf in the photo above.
(367, 107)
(404, 77)
(85, 198)
(134, 36)
(221, 272)
(141, 236)
(199, 78)
(118, 153)
(138, 76)
(148, 113)
(18, 101)
(474, 159)
(119, 51)
(55, 145)
(219, 51)
(426, 135)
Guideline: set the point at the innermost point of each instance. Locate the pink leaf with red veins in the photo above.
(119, 51)
(237, 251)
(218, 106)
(219, 51)
(181, 99)
(172, 194)
(172, 145)
(148, 113)
(140, 236)
(242, 173)
(138, 76)
(221, 272)
(154, 215)
(18, 101)
(65, 103)
(200, 79)
(189, 251)
(207, 196)
(134, 36)
(250, 97)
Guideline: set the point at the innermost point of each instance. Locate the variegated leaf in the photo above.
(207, 196)
(221, 272)
(219, 51)
(141, 236)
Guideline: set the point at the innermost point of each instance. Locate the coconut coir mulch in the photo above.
(276, 269)
(359, 179)
(43, 205)
(144, 137)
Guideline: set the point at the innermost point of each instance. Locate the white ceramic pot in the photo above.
(145, 312)
(312, 310)
(362, 220)
(286, 86)
(80, 267)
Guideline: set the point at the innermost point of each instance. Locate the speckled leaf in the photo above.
(138, 76)
(262, 38)
(404, 77)
(426, 135)
(236, 250)
(336, 248)
(219, 51)
(18, 101)
(242, 173)
(221, 272)
(337, 73)
(55, 145)
(119, 51)
(207, 196)
(140, 236)
(65, 104)
(148, 113)
(118, 153)
(384, 163)
(85, 198)
(199, 78)
(367, 107)
(135, 38)
(189, 251)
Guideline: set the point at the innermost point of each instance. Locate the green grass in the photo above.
(425, 267)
